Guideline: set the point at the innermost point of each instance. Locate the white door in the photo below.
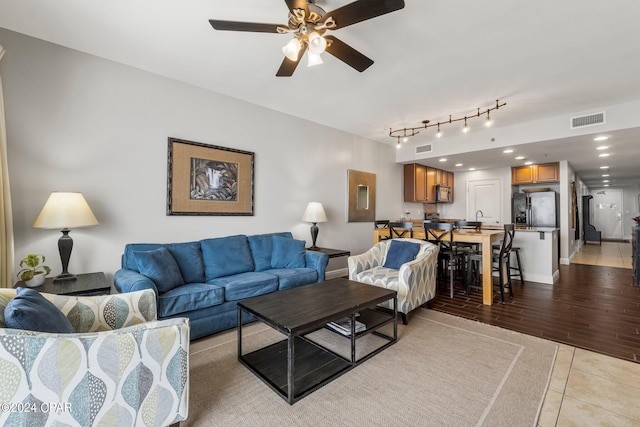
(484, 199)
(607, 213)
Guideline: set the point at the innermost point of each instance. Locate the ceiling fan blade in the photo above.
(244, 26)
(298, 4)
(361, 10)
(347, 54)
(288, 66)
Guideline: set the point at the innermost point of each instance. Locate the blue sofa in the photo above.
(204, 280)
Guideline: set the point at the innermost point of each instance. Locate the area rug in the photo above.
(442, 371)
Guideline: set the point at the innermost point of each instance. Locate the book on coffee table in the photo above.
(343, 326)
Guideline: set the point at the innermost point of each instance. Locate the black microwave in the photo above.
(444, 194)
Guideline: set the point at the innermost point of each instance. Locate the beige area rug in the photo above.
(442, 371)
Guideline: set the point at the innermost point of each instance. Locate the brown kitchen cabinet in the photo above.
(420, 182)
(535, 174)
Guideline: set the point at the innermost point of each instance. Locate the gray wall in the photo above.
(76, 122)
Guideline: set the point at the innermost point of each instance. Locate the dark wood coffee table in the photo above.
(297, 366)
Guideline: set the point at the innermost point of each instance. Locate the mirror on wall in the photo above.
(362, 196)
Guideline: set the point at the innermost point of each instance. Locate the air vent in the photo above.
(590, 120)
(423, 149)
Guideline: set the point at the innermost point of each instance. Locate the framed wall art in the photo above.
(205, 179)
(362, 196)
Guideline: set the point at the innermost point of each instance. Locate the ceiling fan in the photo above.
(308, 22)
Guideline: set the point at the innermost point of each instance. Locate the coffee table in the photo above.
(297, 366)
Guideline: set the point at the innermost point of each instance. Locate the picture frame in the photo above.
(204, 179)
(361, 188)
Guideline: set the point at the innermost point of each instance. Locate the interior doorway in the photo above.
(484, 198)
(607, 213)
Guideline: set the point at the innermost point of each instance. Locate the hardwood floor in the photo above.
(591, 307)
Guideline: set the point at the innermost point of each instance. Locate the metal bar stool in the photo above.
(514, 271)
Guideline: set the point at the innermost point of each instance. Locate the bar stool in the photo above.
(514, 271)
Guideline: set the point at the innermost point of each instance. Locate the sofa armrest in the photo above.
(318, 261)
(96, 378)
(374, 257)
(130, 281)
(419, 275)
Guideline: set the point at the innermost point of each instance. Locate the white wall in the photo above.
(80, 123)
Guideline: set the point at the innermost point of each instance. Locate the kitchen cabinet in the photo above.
(420, 182)
(415, 183)
(535, 174)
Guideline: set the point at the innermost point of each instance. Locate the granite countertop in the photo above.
(522, 228)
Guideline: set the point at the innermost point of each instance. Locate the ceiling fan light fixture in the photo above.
(313, 59)
(317, 43)
(292, 49)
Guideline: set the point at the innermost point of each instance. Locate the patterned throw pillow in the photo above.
(31, 311)
(399, 253)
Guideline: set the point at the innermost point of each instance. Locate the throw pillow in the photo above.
(31, 311)
(399, 253)
(287, 253)
(159, 266)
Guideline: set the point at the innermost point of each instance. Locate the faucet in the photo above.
(481, 214)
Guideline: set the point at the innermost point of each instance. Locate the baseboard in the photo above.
(334, 274)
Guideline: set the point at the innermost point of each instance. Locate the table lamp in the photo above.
(65, 211)
(314, 214)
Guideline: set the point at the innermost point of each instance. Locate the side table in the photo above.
(337, 266)
(85, 285)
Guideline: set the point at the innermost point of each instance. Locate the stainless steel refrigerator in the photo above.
(535, 209)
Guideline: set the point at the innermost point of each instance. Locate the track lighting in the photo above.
(404, 133)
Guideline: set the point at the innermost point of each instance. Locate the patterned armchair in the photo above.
(122, 368)
(415, 281)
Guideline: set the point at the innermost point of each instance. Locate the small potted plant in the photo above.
(33, 270)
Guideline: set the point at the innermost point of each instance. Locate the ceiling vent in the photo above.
(423, 149)
(590, 120)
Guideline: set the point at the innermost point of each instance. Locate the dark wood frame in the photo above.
(180, 184)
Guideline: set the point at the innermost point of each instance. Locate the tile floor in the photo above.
(609, 254)
(591, 389)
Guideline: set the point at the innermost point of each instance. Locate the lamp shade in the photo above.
(65, 210)
(314, 213)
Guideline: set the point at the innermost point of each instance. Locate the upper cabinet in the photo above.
(535, 174)
(420, 182)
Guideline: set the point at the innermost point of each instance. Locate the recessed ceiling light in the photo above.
(508, 151)
(528, 163)
(605, 180)
(605, 175)
(606, 185)
(604, 167)
(458, 164)
(604, 155)
(472, 169)
(520, 158)
(601, 138)
(602, 147)
(442, 160)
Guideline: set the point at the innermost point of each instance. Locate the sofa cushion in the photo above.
(246, 285)
(399, 253)
(159, 266)
(287, 253)
(31, 311)
(294, 277)
(226, 256)
(187, 255)
(192, 296)
(261, 248)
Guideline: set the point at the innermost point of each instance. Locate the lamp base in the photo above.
(64, 277)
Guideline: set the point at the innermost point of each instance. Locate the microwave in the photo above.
(444, 194)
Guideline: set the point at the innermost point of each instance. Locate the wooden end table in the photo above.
(85, 285)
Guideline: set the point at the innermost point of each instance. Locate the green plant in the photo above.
(31, 267)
